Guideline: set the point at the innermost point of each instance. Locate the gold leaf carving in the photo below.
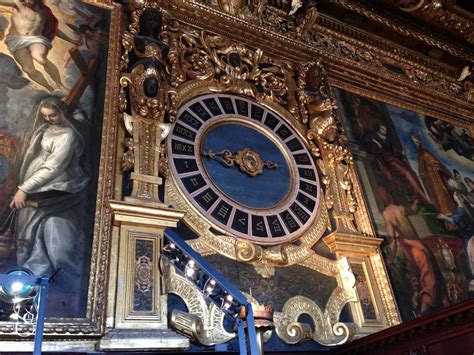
(213, 331)
(328, 331)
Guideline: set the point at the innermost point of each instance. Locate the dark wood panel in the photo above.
(449, 331)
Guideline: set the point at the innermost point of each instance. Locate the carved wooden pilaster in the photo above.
(376, 308)
(139, 317)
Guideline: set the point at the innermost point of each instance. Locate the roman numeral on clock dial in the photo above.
(276, 204)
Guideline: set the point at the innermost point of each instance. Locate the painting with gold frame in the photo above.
(416, 172)
(57, 152)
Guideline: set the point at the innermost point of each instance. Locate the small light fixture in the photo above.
(190, 270)
(227, 302)
(27, 295)
(213, 286)
(10, 292)
(209, 286)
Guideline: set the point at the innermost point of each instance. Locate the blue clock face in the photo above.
(237, 184)
(244, 169)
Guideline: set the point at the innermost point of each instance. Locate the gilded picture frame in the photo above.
(87, 58)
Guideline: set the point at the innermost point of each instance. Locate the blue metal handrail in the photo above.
(183, 250)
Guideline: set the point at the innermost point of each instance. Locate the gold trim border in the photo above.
(94, 321)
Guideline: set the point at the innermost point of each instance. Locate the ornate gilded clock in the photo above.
(244, 169)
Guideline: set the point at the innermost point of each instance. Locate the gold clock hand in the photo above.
(247, 160)
(224, 156)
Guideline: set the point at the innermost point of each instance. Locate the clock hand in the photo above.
(224, 156)
(247, 160)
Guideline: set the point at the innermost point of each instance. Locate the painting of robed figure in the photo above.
(416, 172)
(53, 65)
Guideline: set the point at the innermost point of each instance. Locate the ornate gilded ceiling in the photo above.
(371, 48)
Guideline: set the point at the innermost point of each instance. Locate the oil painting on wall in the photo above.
(418, 176)
(52, 77)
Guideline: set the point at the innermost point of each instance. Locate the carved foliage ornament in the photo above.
(177, 63)
(301, 21)
(199, 62)
(195, 55)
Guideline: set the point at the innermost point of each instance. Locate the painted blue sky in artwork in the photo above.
(261, 191)
(407, 123)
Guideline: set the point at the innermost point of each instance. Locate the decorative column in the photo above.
(376, 308)
(137, 308)
(139, 317)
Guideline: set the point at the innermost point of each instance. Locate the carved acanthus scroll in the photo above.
(199, 58)
(210, 317)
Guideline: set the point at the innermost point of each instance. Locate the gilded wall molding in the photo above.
(444, 14)
(406, 29)
(197, 62)
(426, 82)
(276, 15)
(97, 293)
(389, 305)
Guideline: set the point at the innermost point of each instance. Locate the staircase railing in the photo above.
(213, 286)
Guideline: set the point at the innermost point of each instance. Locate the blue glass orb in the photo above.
(17, 288)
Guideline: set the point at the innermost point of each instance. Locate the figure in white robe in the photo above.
(50, 199)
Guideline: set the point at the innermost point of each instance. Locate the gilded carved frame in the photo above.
(424, 80)
(350, 63)
(92, 325)
(350, 58)
(326, 140)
